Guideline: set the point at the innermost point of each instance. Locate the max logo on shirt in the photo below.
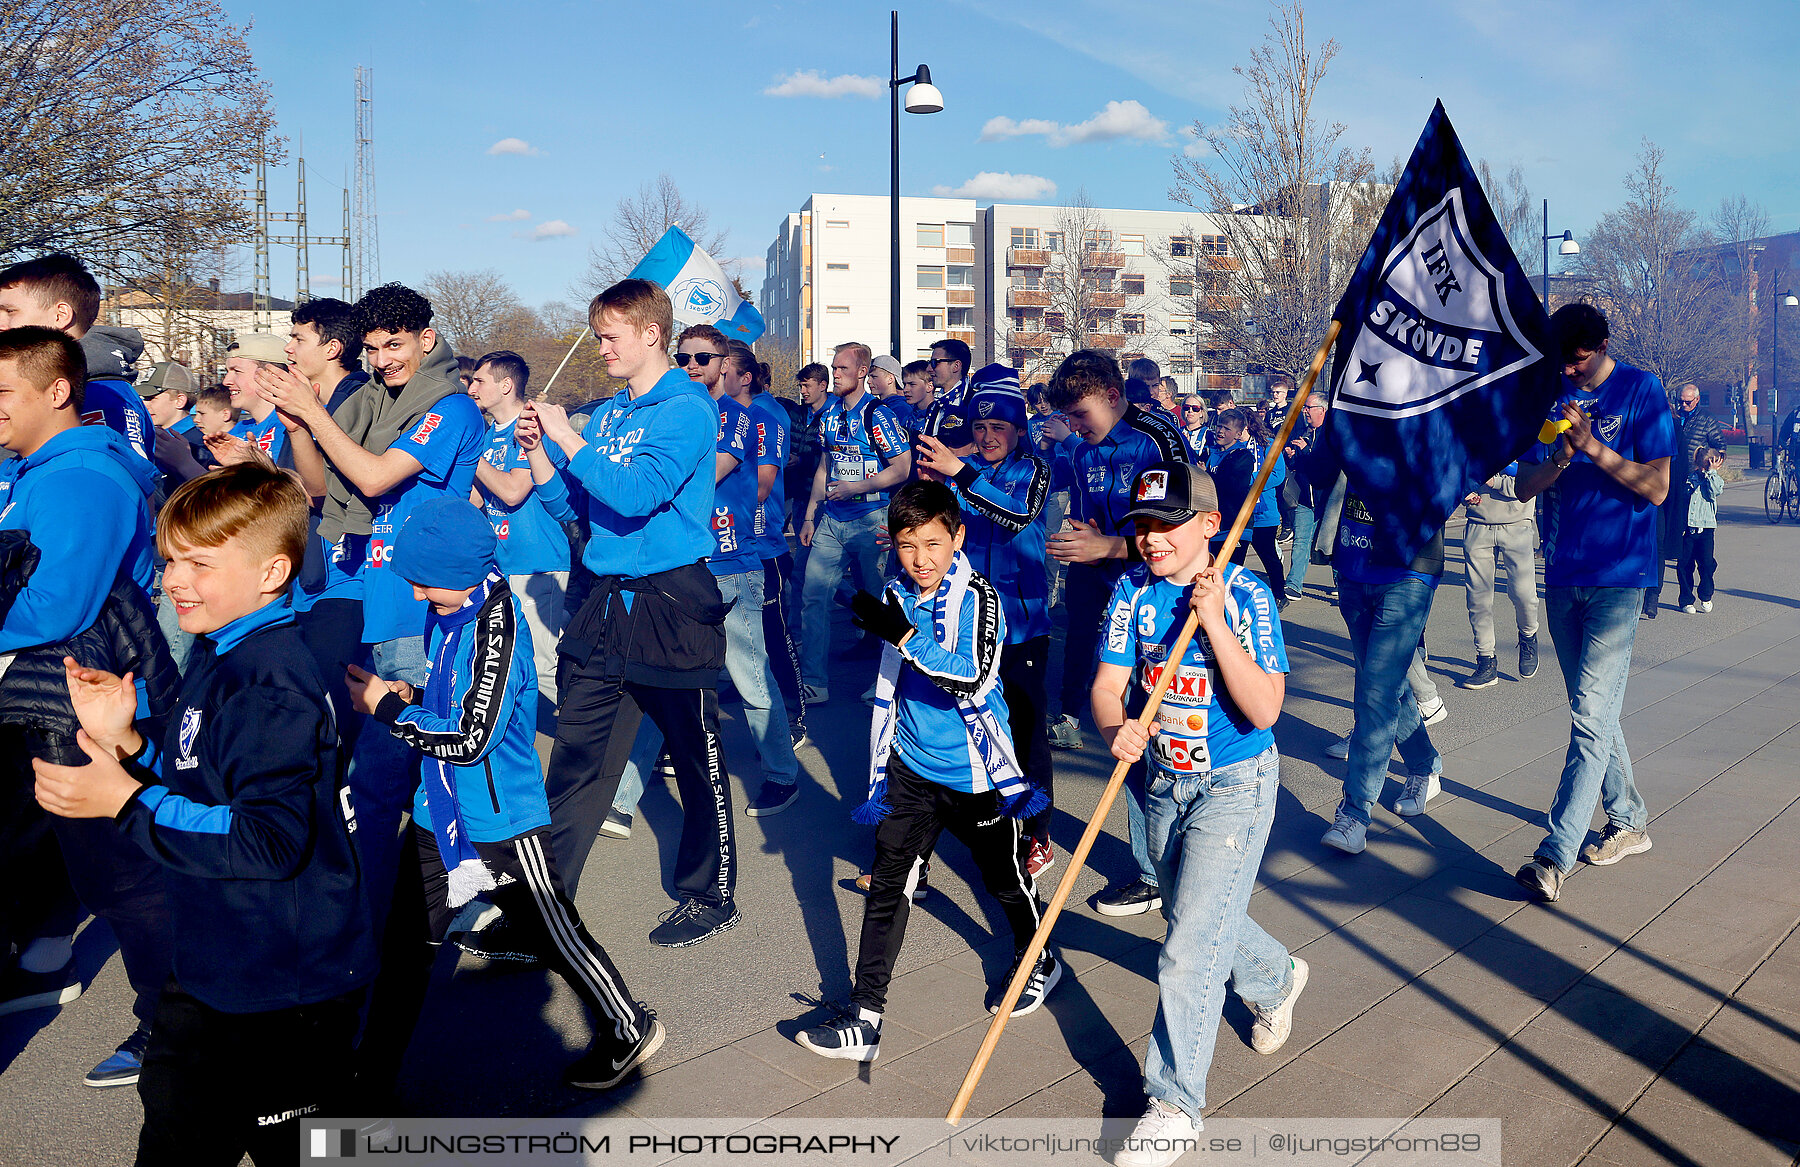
(422, 435)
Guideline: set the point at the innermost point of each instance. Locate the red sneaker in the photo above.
(1040, 859)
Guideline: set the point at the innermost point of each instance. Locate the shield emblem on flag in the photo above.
(1437, 326)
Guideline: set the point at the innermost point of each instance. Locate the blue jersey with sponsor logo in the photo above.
(447, 441)
(113, 403)
(1103, 473)
(1199, 727)
(267, 435)
(734, 497)
(529, 540)
(859, 441)
(1597, 533)
(771, 424)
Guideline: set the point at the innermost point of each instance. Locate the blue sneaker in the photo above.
(123, 1067)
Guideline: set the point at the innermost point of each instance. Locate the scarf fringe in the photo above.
(469, 879)
(870, 813)
(1029, 803)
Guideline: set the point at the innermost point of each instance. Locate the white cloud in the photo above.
(554, 229)
(1119, 121)
(518, 216)
(1194, 146)
(812, 83)
(1000, 186)
(513, 146)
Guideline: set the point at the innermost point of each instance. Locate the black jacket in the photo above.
(1697, 430)
(242, 805)
(34, 691)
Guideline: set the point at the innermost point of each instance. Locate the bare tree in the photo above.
(1276, 182)
(127, 128)
(174, 299)
(1740, 226)
(1647, 268)
(1512, 203)
(637, 224)
(1073, 300)
(468, 306)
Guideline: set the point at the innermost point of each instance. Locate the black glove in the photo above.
(885, 619)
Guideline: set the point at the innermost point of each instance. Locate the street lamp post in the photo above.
(1569, 247)
(1791, 301)
(923, 97)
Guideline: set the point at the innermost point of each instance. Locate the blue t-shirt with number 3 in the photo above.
(1199, 728)
(447, 441)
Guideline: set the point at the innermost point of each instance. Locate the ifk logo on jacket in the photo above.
(1440, 376)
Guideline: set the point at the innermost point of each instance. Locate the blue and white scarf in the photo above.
(469, 876)
(990, 739)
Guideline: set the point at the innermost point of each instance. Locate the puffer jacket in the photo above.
(34, 690)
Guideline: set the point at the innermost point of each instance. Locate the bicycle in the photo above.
(1781, 493)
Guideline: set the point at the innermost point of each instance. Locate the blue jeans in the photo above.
(834, 540)
(1385, 621)
(1306, 526)
(1593, 630)
(1207, 834)
(747, 662)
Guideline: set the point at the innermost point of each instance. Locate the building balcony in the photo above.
(1223, 305)
(1027, 298)
(962, 297)
(966, 337)
(1105, 260)
(959, 255)
(1027, 257)
(1112, 341)
(1032, 340)
(1231, 381)
(1106, 299)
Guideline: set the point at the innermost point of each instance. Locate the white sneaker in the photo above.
(1163, 1135)
(1689, 609)
(1418, 792)
(1706, 605)
(1339, 748)
(1270, 1027)
(1347, 833)
(1434, 712)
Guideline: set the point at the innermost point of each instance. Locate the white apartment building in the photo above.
(996, 278)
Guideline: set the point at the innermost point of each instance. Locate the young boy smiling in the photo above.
(240, 801)
(941, 757)
(1210, 792)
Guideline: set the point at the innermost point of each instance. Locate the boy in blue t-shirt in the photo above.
(1213, 776)
(1610, 468)
(261, 428)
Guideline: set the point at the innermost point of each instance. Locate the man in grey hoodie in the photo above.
(1500, 530)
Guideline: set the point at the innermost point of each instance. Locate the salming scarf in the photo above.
(469, 876)
(990, 740)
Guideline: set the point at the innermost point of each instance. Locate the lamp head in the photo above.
(1791, 300)
(1569, 246)
(924, 97)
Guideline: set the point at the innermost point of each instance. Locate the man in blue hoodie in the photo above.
(650, 637)
(82, 496)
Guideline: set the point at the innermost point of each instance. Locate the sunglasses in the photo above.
(1193, 409)
(702, 359)
(941, 361)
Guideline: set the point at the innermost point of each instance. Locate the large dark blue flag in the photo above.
(1443, 369)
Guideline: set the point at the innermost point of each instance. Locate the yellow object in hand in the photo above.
(1551, 430)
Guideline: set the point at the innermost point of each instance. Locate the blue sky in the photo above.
(598, 98)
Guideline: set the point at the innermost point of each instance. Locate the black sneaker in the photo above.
(496, 942)
(691, 921)
(1528, 657)
(773, 799)
(1049, 970)
(1487, 672)
(1541, 879)
(1133, 899)
(123, 1067)
(607, 1061)
(21, 990)
(853, 1035)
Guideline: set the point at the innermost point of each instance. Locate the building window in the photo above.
(1098, 281)
(1181, 325)
(1180, 245)
(1131, 244)
(1134, 323)
(1053, 240)
(1181, 287)
(1099, 239)
(959, 276)
(1030, 278)
(1181, 362)
(930, 322)
(1053, 321)
(1026, 237)
(931, 277)
(837, 309)
(963, 318)
(837, 267)
(837, 222)
(930, 235)
(959, 234)
(1214, 245)
(1026, 319)
(1131, 284)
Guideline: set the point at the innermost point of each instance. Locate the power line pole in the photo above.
(365, 222)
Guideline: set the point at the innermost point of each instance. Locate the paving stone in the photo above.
(1309, 1089)
(1532, 1130)
(727, 1082)
(783, 1053)
(1481, 1012)
(1016, 1070)
(1411, 1060)
(1522, 967)
(1708, 901)
(1587, 1073)
(1645, 1030)
(935, 1000)
(1673, 984)
(1381, 958)
(876, 1094)
(1112, 1086)
(1448, 923)
(1661, 1131)
(1769, 1036)
(1122, 995)
(1561, 933)
(1333, 998)
(1726, 944)
(1775, 984)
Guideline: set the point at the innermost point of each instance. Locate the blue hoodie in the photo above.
(648, 472)
(1003, 513)
(84, 497)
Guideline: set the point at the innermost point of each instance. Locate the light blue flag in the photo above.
(698, 287)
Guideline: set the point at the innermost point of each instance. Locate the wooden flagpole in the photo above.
(565, 361)
(1078, 858)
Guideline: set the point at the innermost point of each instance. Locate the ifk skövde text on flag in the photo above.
(1443, 369)
(698, 287)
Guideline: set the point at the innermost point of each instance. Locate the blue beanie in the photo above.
(997, 405)
(446, 543)
(995, 376)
